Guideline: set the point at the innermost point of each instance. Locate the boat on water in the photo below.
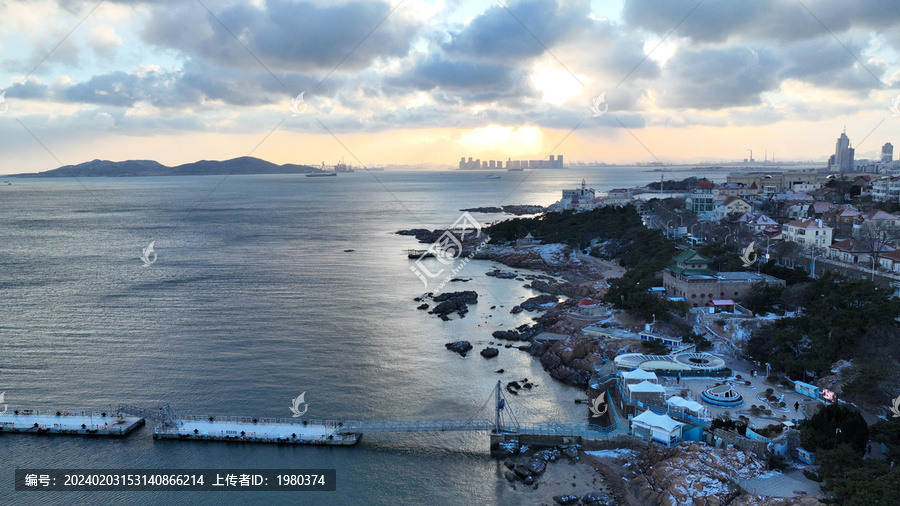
(419, 253)
(321, 174)
(491, 176)
(515, 170)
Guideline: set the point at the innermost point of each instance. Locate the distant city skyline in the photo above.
(430, 81)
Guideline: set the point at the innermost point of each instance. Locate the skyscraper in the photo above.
(843, 154)
(887, 153)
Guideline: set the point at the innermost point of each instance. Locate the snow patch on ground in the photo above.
(613, 454)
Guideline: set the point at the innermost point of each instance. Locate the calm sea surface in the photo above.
(252, 301)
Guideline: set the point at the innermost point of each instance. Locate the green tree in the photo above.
(856, 481)
(833, 426)
(840, 317)
(888, 432)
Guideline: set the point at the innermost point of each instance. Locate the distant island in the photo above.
(144, 168)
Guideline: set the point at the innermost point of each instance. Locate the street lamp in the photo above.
(812, 266)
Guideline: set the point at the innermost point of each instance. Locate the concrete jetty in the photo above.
(69, 422)
(257, 430)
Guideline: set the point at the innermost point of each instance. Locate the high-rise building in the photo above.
(843, 154)
(887, 153)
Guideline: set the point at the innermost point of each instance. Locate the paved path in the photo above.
(610, 269)
(758, 387)
(789, 484)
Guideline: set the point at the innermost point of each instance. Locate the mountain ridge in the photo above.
(145, 168)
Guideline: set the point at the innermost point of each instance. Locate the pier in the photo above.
(69, 422)
(505, 430)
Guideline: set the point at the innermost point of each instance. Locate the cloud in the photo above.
(284, 35)
(718, 78)
(716, 21)
(104, 40)
(517, 31)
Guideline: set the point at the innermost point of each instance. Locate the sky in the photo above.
(407, 82)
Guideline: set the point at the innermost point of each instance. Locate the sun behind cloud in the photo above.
(509, 140)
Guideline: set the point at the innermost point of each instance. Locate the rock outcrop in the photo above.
(699, 474)
(450, 302)
(490, 352)
(571, 360)
(535, 303)
(461, 347)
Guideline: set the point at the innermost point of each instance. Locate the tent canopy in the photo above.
(639, 374)
(653, 420)
(646, 386)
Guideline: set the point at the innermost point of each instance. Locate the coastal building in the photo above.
(701, 199)
(618, 197)
(886, 189)
(735, 189)
(890, 261)
(637, 376)
(757, 222)
(842, 159)
(554, 162)
(657, 428)
(809, 234)
(775, 181)
(579, 198)
(649, 335)
(854, 251)
(731, 205)
(646, 392)
(690, 277)
(876, 222)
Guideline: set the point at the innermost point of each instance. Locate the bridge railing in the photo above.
(587, 431)
(445, 425)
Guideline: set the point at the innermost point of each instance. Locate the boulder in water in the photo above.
(490, 352)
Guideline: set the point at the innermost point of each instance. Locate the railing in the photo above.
(414, 426)
(268, 420)
(62, 412)
(251, 435)
(660, 410)
(586, 431)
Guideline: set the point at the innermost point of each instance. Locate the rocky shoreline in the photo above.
(690, 474)
(517, 210)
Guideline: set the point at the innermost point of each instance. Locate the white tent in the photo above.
(645, 386)
(660, 428)
(681, 404)
(638, 375)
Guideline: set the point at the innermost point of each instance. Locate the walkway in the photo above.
(373, 426)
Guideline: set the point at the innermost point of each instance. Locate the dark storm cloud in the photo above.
(283, 35)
